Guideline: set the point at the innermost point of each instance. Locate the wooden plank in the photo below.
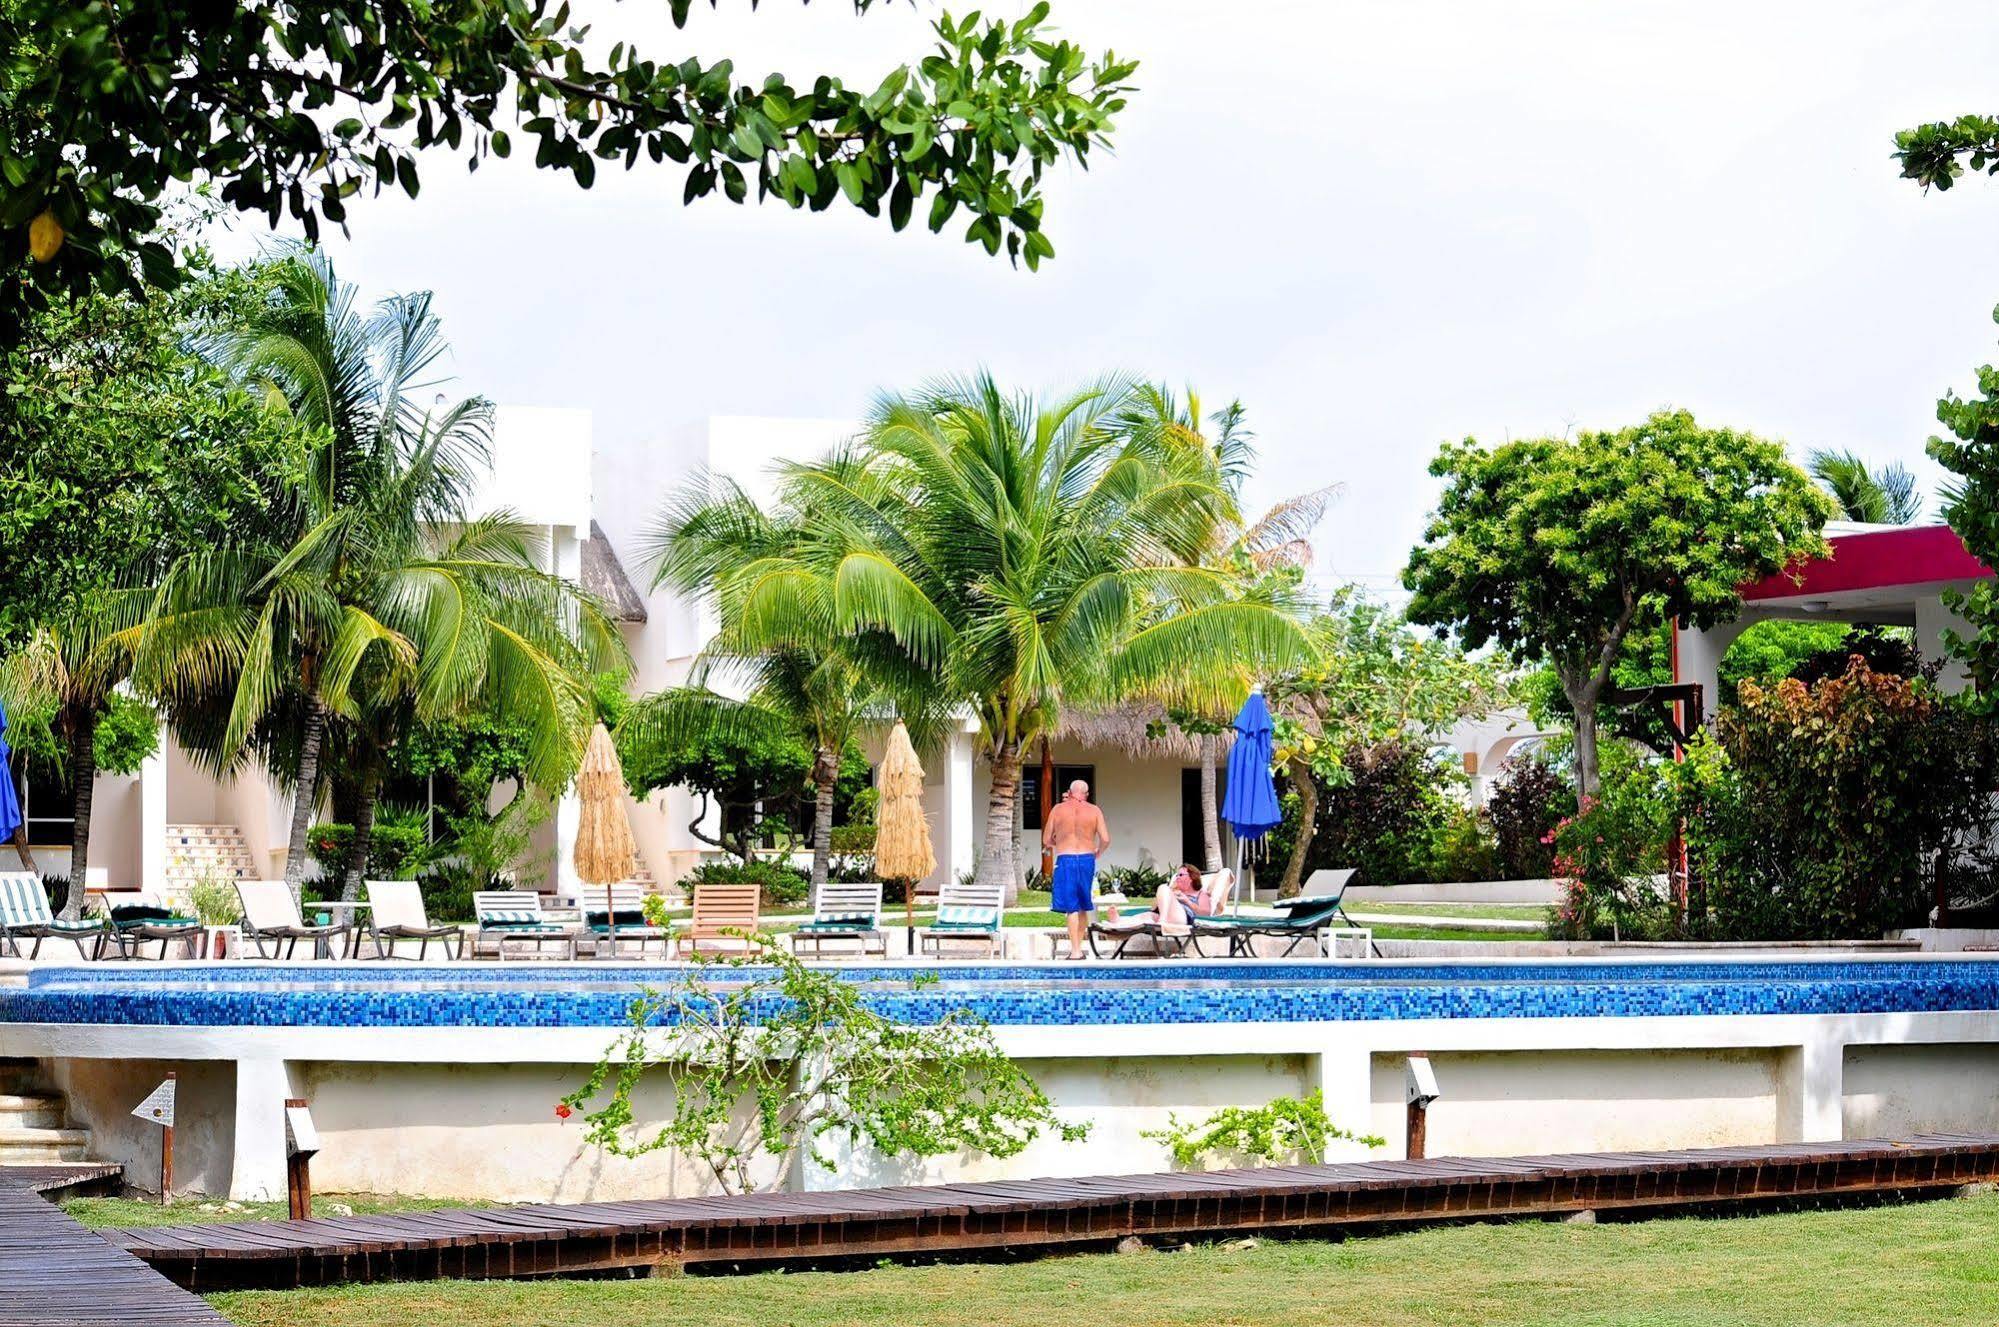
(55, 1273)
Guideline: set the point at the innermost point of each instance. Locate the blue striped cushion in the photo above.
(510, 919)
(844, 919)
(80, 924)
(961, 915)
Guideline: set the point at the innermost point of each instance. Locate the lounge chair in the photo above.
(718, 911)
(1167, 940)
(134, 925)
(1302, 920)
(396, 912)
(270, 913)
(25, 915)
(966, 911)
(625, 921)
(515, 914)
(844, 912)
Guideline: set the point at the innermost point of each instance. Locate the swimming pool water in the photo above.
(534, 995)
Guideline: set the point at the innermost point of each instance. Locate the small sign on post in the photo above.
(159, 1108)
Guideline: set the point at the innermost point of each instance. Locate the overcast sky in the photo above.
(1380, 225)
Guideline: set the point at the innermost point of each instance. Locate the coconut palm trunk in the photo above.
(825, 777)
(83, 771)
(305, 795)
(996, 863)
(369, 796)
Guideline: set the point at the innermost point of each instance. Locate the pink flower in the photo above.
(562, 1111)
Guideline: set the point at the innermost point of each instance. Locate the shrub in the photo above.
(395, 847)
(1833, 811)
(1382, 818)
(1611, 852)
(1524, 805)
(1134, 882)
(1463, 847)
(1287, 1129)
(783, 886)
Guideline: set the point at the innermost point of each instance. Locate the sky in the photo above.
(1378, 225)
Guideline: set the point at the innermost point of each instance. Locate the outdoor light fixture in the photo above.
(1816, 605)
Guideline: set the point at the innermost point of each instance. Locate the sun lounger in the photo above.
(1300, 920)
(625, 921)
(725, 916)
(25, 915)
(966, 912)
(1167, 939)
(515, 915)
(135, 925)
(844, 912)
(271, 915)
(396, 912)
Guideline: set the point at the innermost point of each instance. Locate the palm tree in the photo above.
(1022, 554)
(375, 602)
(1264, 562)
(771, 579)
(1884, 497)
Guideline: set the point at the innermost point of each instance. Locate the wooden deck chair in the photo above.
(845, 912)
(625, 921)
(396, 912)
(516, 915)
(25, 915)
(271, 916)
(719, 909)
(967, 911)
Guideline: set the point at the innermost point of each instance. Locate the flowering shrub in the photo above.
(1611, 854)
(1834, 811)
(1527, 801)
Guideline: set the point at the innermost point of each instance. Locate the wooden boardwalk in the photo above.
(55, 1273)
(944, 1220)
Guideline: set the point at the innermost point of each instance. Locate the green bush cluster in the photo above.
(783, 886)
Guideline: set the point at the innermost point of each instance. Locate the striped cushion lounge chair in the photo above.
(844, 912)
(966, 912)
(515, 915)
(625, 921)
(25, 915)
(1167, 941)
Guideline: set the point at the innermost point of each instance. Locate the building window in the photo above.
(1030, 789)
(48, 805)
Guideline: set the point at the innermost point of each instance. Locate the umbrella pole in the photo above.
(909, 915)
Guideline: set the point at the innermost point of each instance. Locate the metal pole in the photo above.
(167, 1152)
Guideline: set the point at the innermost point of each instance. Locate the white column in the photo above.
(958, 804)
(1812, 1091)
(1932, 620)
(1697, 658)
(258, 1172)
(1345, 1079)
(153, 818)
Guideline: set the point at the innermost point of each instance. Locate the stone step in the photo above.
(15, 1138)
(30, 1112)
(43, 1156)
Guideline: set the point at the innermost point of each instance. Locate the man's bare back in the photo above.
(1075, 827)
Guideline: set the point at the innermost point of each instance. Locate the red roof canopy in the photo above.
(1874, 560)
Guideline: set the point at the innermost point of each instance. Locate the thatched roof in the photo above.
(1129, 727)
(604, 577)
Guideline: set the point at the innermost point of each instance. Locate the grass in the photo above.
(1929, 1263)
(101, 1212)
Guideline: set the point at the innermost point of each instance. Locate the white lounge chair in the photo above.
(966, 912)
(1217, 888)
(515, 914)
(270, 913)
(25, 915)
(845, 912)
(396, 912)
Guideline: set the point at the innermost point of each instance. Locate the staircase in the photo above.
(31, 1120)
(206, 852)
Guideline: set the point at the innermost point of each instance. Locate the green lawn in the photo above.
(192, 1211)
(1927, 1264)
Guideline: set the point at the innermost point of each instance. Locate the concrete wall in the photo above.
(102, 1092)
(1896, 1090)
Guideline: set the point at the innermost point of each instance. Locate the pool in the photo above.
(441, 1079)
(598, 996)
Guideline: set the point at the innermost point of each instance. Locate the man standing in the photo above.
(1075, 833)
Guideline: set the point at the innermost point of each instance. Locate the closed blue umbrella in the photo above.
(1249, 799)
(10, 806)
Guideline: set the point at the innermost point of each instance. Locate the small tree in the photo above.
(773, 1059)
(1971, 505)
(1561, 548)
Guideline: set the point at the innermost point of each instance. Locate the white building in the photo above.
(589, 510)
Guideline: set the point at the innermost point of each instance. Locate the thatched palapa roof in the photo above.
(1128, 728)
(604, 577)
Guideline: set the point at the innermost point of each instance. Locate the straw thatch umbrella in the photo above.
(902, 831)
(604, 849)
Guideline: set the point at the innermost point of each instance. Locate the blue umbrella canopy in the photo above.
(1249, 800)
(10, 806)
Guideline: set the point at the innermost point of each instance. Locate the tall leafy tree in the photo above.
(379, 602)
(297, 109)
(771, 577)
(1020, 551)
(1562, 548)
(1876, 497)
(1971, 504)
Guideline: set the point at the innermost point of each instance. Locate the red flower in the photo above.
(562, 1111)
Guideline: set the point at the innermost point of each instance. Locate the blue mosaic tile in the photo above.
(516, 995)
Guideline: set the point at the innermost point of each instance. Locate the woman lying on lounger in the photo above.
(1179, 901)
